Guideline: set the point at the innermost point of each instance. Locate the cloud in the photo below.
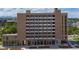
(1, 9)
(10, 9)
(72, 12)
(42, 10)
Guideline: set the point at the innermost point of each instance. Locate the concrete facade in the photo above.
(41, 29)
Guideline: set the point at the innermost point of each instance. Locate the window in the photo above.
(35, 43)
(29, 29)
(49, 15)
(53, 22)
(49, 36)
(53, 32)
(53, 29)
(63, 42)
(31, 15)
(29, 36)
(49, 33)
(6, 38)
(29, 33)
(53, 15)
(29, 42)
(53, 42)
(36, 33)
(66, 17)
(15, 37)
(3, 37)
(45, 42)
(38, 42)
(27, 15)
(41, 42)
(49, 42)
(53, 36)
(53, 19)
(53, 25)
(36, 36)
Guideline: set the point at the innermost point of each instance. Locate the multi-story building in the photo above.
(9, 40)
(41, 29)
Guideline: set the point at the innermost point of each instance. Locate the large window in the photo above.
(53, 15)
(53, 42)
(6, 37)
(29, 42)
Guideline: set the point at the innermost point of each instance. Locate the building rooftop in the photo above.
(9, 34)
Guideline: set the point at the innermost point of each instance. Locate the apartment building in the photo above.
(39, 30)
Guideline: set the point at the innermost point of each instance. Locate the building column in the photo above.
(43, 42)
(26, 42)
(58, 42)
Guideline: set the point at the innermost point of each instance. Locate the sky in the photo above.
(72, 12)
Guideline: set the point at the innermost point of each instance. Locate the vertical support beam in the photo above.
(59, 42)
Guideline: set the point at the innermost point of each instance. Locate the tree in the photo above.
(10, 28)
(73, 30)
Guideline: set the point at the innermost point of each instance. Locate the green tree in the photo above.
(73, 30)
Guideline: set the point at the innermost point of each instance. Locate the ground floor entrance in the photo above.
(33, 43)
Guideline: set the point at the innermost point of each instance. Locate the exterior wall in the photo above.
(21, 21)
(65, 29)
(58, 26)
